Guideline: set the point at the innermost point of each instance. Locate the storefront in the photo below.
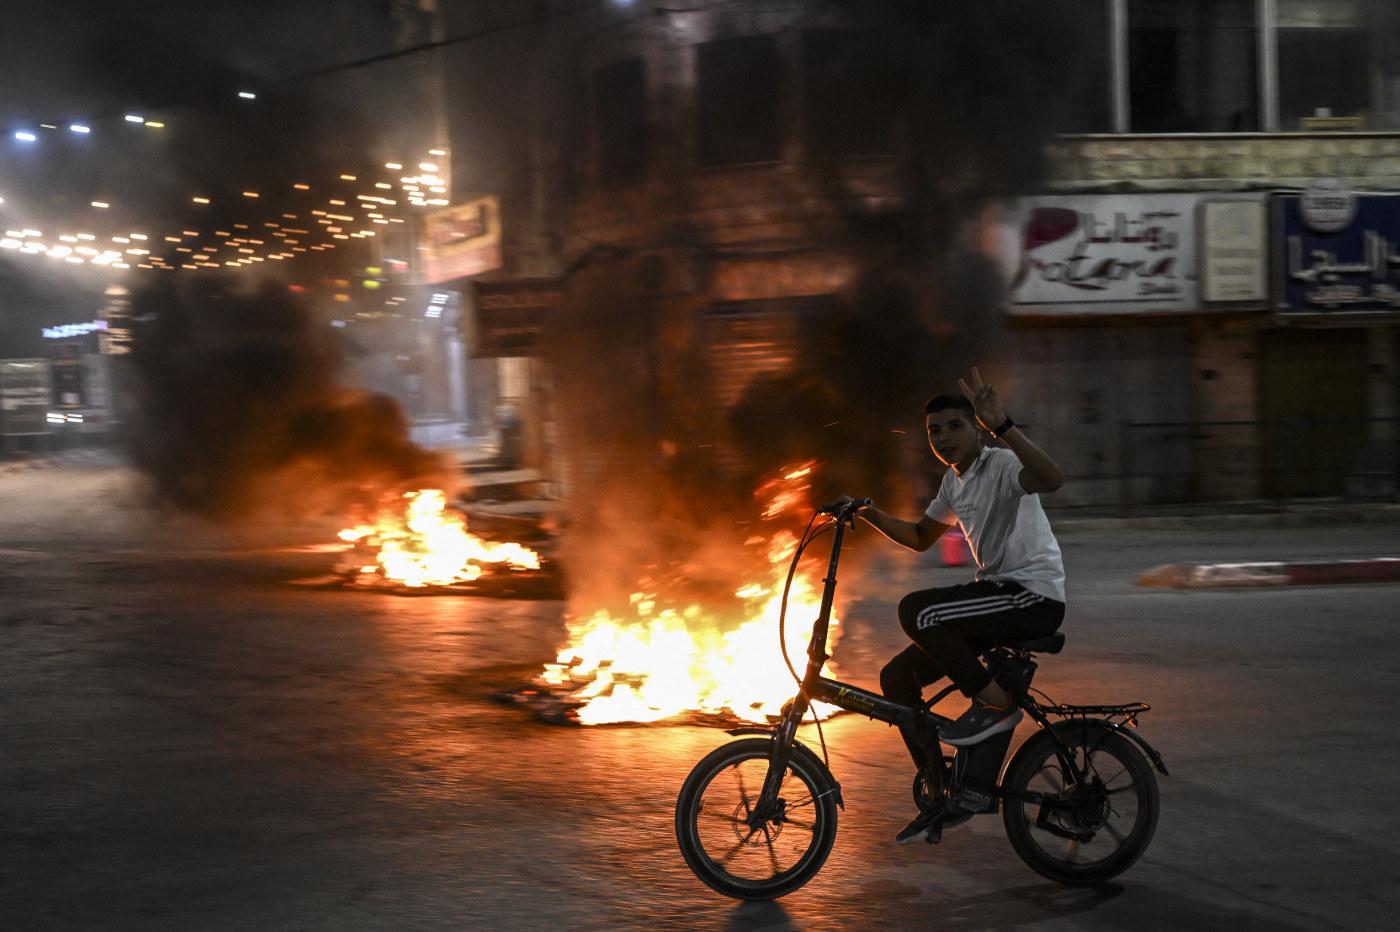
(1115, 302)
(1328, 365)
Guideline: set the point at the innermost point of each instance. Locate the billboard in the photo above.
(511, 315)
(1102, 254)
(1334, 261)
(1081, 255)
(1234, 236)
(462, 240)
(25, 394)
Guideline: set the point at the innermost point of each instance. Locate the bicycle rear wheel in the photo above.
(1080, 831)
(734, 852)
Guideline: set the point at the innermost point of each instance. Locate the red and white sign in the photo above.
(1102, 254)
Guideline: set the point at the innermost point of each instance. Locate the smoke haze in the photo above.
(239, 410)
(978, 91)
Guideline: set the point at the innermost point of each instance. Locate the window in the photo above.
(1323, 65)
(848, 95)
(1088, 104)
(1322, 79)
(1192, 66)
(619, 98)
(738, 108)
(1195, 66)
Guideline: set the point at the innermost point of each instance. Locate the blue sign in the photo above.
(1357, 268)
(64, 331)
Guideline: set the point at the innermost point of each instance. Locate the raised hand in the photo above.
(984, 400)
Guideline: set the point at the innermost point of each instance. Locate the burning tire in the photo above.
(739, 854)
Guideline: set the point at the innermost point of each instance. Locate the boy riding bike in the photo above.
(1019, 592)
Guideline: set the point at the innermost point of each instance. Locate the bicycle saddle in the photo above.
(1050, 644)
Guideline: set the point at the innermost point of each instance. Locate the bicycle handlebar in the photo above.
(845, 511)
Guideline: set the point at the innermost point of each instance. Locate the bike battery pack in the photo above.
(977, 767)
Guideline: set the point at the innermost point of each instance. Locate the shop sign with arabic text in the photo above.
(1102, 254)
(1355, 268)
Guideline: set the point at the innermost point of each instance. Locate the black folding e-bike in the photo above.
(756, 818)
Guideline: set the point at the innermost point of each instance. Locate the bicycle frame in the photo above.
(1079, 803)
(815, 687)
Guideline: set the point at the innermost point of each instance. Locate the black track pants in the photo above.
(950, 626)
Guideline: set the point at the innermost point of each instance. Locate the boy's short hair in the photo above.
(951, 400)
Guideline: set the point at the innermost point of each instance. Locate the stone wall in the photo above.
(1370, 161)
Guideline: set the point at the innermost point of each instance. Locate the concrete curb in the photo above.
(1235, 514)
(1220, 575)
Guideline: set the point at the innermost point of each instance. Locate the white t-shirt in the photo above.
(1006, 528)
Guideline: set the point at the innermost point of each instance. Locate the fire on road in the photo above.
(190, 742)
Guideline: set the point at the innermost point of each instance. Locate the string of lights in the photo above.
(281, 234)
(319, 223)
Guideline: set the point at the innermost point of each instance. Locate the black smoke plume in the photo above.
(239, 410)
(664, 470)
(976, 91)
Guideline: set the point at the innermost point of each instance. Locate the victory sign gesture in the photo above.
(1040, 472)
(985, 402)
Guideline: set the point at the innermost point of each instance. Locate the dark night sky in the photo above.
(47, 48)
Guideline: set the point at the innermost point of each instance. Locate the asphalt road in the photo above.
(189, 742)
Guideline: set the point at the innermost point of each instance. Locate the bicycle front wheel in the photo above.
(1086, 830)
(735, 851)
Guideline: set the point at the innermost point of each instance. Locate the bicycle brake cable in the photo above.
(807, 537)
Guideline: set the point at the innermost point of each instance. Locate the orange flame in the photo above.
(669, 657)
(424, 543)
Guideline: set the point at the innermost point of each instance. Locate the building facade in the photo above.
(1179, 313)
